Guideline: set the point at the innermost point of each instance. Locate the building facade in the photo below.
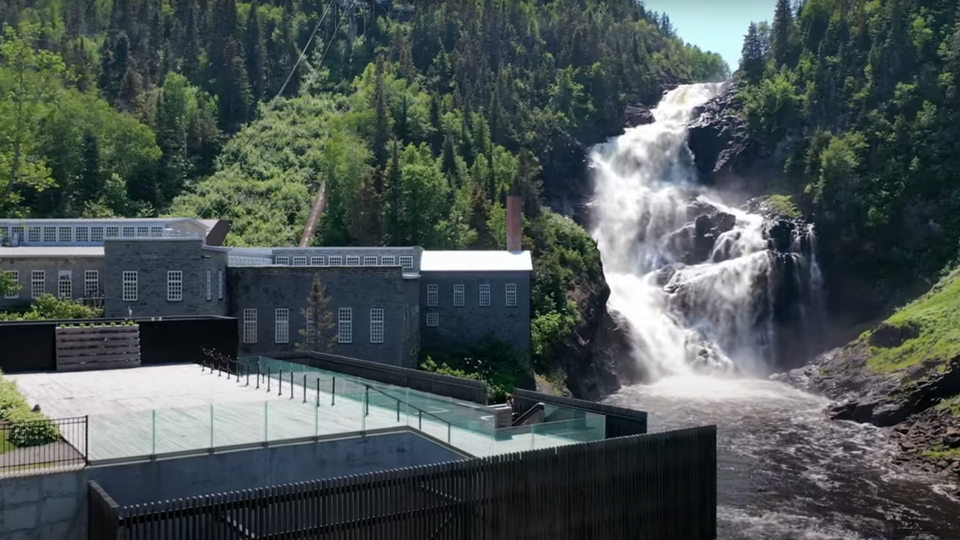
(387, 303)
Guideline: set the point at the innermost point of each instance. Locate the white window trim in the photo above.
(174, 285)
(209, 285)
(388, 260)
(433, 295)
(484, 300)
(335, 260)
(345, 325)
(376, 325)
(96, 235)
(83, 235)
(371, 261)
(316, 261)
(91, 283)
(299, 261)
(15, 277)
(219, 284)
(459, 295)
(353, 260)
(282, 260)
(65, 285)
(130, 278)
(249, 325)
(510, 295)
(281, 325)
(406, 261)
(433, 319)
(38, 282)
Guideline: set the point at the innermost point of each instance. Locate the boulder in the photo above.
(638, 115)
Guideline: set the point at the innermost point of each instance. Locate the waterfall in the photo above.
(698, 284)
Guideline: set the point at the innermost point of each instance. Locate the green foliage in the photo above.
(27, 428)
(51, 307)
(7, 284)
(319, 334)
(782, 205)
(935, 317)
(863, 99)
(491, 361)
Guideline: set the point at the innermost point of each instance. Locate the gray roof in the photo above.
(476, 261)
(21, 252)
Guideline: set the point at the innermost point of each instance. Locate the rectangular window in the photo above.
(249, 326)
(17, 232)
(91, 283)
(96, 234)
(65, 234)
(282, 325)
(485, 295)
(406, 261)
(345, 325)
(174, 286)
(15, 277)
(130, 286)
(433, 319)
(65, 285)
(38, 283)
(49, 235)
(83, 234)
(458, 296)
(511, 295)
(219, 284)
(209, 285)
(143, 230)
(129, 231)
(299, 261)
(4, 233)
(33, 234)
(433, 295)
(388, 260)
(336, 261)
(353, 261)
(376, 325)
(316, 261)
(156, 232)
(113, 231)
(283, 260)
(370, 261)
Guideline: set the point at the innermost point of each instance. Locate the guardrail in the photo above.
(57, 443)
(420, 412)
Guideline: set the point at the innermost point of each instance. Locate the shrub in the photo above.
(10, 399)
(31, 429)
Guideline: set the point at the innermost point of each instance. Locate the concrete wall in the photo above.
(52, 268)
(53, 506)
(152, 259)
(266, 288)
(472, 323)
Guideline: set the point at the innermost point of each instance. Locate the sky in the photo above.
(714, 25)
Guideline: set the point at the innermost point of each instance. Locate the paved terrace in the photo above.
(166, 409)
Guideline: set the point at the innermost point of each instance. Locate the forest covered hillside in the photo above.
(417, 118)
(859, 102)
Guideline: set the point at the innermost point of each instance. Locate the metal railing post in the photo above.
(304, 387)
(247, 365)
(366, 400)
(398, 410)
(291, 385)
(420, 420)
(280, 382)
(258, 376)
(268, 379)
(333, 392)
(318, 392)
(86, 439)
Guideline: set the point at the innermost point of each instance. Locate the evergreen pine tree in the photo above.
(319, 332)
(253, 50)
(751, 59)
(381, 121)
(781, 34)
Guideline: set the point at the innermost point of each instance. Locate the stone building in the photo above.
(387, 303)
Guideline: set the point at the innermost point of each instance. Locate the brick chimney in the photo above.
(514, 223)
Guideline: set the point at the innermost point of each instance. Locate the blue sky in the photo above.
(714, 25)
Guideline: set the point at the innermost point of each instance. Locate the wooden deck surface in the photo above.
(163, 409)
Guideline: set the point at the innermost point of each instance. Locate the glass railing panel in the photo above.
(114, 436)
(290, 419)
(239, 423)
(182, 430)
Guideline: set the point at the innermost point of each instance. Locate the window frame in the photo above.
(406, 261)
(88, 291)
(317, 261)
(209, 285)
(15, 277)
(38, 278)
(300, 260)
(65, 281)
(281, 260)
(485, 295)
(281, 326)
(377, 326)
(250, 325)
(371, 260)
(459, 295)
(353, 260)
(219, 284)
(174, 285)
(433, 319)
(433, 295)
(130, 278)
(335, 260)
(345, 325)
(388, 260)
(510, 289)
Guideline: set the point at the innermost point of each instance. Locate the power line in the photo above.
(303, 53)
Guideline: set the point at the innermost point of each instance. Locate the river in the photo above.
(785, 471)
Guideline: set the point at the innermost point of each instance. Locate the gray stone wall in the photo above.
(267, 288)
(152, 259)
(472, 323)
(52, 268)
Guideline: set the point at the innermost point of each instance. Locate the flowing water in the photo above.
(702, 328)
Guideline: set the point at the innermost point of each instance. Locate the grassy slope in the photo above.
(937, 317)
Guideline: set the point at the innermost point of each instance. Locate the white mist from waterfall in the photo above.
(646, 184)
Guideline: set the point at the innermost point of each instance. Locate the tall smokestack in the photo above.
(514, 223)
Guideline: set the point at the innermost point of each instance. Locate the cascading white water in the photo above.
(691, 305)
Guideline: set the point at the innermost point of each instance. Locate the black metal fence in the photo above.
(620, 422)
(657, 486)
(433, 383)
(30, 346)
(59, 443)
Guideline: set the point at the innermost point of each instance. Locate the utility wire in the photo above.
(303, 53)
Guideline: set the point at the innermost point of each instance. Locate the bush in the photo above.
(31, 429)
(491, 361)
(10, 399)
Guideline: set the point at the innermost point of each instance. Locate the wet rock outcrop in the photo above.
(638, 115)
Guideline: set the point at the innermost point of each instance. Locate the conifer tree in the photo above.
(751, 59)
(319, 331)
(253, 50)
(781, 34)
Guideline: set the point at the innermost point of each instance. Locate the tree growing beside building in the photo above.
(7, 285)
(320, 332)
